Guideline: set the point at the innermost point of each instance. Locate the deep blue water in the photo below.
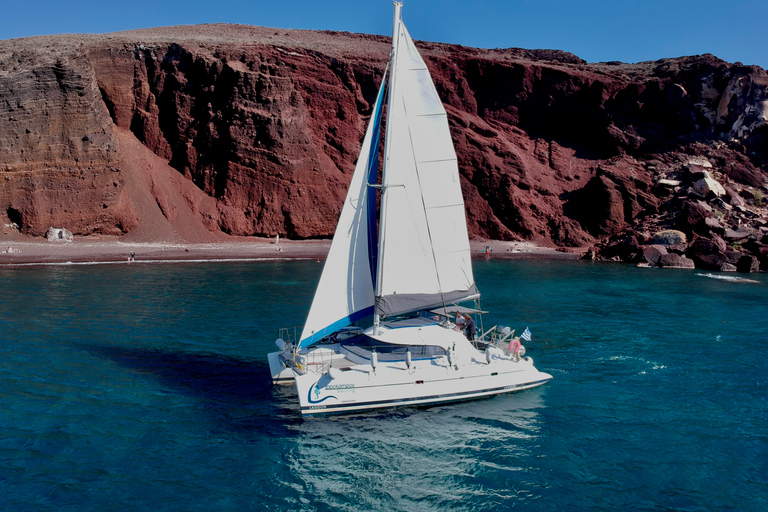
(145, 387)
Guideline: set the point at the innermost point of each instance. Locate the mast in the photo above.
(391, 95)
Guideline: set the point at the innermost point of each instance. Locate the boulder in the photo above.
(713, 225)
(653, 253)
(754, 247)
(707, 253)
(733, 257)
(763, 258)
(695, 172)
(627, 250)
(720, 243)
(692, 217)
(744, 172)
(699, 161)
(748, 263)
(708, 186)
(734, 198)
(672, 260)
(721, 204)
(678, 249)
(734, 235)
(598, 207)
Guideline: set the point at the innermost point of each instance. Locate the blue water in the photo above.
(145, 387)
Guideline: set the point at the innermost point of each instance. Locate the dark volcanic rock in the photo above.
(626, 249)
(693, 218)
(708, 254)
(672, 260)
(654, 253)
(748, 263)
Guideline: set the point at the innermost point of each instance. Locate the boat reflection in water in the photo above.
(408, 456)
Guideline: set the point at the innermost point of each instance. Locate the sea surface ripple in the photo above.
(146, 387)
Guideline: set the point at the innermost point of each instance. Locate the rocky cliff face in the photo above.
(265, 125)
(58, 153)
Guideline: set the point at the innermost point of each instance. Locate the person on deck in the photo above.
(470, 327)
(459, 322)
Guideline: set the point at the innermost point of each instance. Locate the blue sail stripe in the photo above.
(373, 175)
(335, 326)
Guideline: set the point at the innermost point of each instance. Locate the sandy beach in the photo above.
(30, 251)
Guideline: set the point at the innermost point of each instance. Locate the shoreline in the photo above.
(105, 250)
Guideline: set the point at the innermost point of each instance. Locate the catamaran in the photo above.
(410, 280)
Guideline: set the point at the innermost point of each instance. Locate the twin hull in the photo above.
(426, 382)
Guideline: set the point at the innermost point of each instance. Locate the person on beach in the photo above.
(132, 257)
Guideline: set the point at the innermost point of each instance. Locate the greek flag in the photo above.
(526, 335)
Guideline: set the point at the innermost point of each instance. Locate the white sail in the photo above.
(425, 254)
(345, 291)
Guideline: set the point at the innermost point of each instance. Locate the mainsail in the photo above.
(425, 254)
(423, 248)
(345, 291)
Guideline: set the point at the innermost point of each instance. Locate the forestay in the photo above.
(425, 247)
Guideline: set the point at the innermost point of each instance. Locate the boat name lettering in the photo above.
(340, 386)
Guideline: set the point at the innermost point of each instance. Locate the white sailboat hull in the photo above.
(281, 374)
(427, 382)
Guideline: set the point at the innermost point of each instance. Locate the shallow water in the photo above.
(146, 388)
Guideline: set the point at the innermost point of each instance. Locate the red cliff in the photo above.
(187, 132)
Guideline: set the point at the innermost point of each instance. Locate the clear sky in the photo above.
(595, 30)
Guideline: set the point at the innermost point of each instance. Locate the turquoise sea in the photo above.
(145, 387)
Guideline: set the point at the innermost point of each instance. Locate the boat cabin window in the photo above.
(362, 344)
